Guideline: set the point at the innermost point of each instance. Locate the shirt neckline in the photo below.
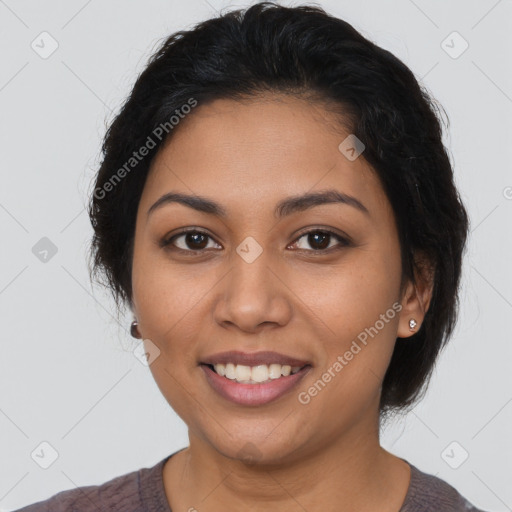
(153, 497)
(151, 487)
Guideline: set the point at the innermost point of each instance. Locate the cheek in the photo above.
(350, 295)
(163, 293)
(356, 307)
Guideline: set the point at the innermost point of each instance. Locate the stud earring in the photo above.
(412, 324)
(134, 331)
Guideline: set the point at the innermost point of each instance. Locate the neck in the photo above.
(351, 472)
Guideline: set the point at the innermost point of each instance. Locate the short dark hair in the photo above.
(301, 50)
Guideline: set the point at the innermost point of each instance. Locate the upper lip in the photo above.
(253, 358)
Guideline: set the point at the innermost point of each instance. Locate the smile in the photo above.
(257, 385)
(254, 374)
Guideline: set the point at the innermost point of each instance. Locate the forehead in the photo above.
(248, 153)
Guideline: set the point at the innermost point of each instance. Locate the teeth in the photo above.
(258, 373)
(242, 372)
(254, 374)
(230, 371)
(274, 371)
(220, 369)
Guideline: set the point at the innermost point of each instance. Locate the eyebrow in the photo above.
(284, 208)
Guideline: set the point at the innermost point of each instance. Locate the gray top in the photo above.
(143, 491)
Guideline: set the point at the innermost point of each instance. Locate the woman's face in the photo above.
(253, 280)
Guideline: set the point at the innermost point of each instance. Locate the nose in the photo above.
(252, 294)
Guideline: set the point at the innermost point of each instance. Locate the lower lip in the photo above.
(252, 394)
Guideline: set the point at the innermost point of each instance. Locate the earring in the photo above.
(412, 324)
(134, 331)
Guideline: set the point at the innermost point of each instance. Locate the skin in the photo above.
(324, 455)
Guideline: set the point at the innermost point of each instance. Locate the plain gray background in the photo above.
(68, 376)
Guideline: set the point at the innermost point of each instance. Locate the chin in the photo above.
(256, 452)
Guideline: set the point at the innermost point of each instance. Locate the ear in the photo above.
(416, 297)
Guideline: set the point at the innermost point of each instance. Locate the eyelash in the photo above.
(343, 242)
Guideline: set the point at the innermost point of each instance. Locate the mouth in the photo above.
(253, 385)
(262, 373)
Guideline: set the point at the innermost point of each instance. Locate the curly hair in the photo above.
(299, 50)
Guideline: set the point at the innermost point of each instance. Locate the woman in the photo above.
(276, 207)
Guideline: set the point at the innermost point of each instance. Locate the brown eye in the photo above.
(196, 240)
(192, 240)
(320, 240)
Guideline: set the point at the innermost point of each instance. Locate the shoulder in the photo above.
(120, 494)
(428, 493)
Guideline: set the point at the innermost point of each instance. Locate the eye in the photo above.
(196, 241)
(319, 240)
(193, 240)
